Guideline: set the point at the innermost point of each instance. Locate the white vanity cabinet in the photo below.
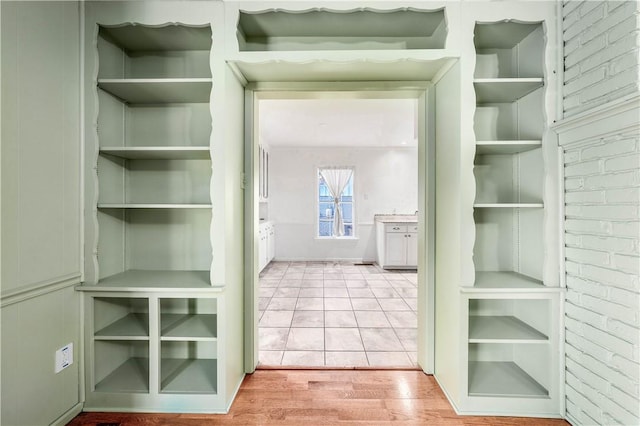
(397, 244)
(266, 244)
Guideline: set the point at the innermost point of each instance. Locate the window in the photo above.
(327, 207)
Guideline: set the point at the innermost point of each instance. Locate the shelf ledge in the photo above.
(152, 206)
(508, 205)
(158, 152)
(502, 329)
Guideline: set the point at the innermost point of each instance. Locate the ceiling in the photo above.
(338, 122)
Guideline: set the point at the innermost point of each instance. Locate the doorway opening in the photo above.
(321, 297)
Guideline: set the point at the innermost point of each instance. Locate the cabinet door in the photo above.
(412, 249)
(395, 248)
(272, 244)
(262, 249)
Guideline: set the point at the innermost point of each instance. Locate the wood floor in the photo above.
(326, 397)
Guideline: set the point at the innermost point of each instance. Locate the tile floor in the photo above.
(337, 314)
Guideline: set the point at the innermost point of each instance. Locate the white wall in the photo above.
(40, 210)
(385, 180)
(602, 197)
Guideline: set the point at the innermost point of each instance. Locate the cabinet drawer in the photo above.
(395, 227)
(413, 228)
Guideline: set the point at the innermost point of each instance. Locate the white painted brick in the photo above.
(624, 297)
(614, 4)
(612, 180)
(575, 365)
(607, 373)
(587, 407)
(573, 183)
(626, 263)
(610, 277)
(581, 169)
(592, 227)
(587, 7)
(623, 195)
(585, 315)
(621, 64)
(627, 332)
(626, 45)
(617, 413)
(571, 6)
(587, 256)
(618, 212)
(575, 298)
(625, 366)
(571, 102)
(611, 21)
(629, 162)
(572, 268)
(583, 286)
(628, 402)
(614, 244)
(611, 310)
(585, 80)
(586, 20)
(571, 240)
(609, 149)
(626, 78)
(586, 50)
(570, 47)
(624, 26)
(588, 346)
(575, 326)
(626, 229)
(585, 197)
(571, 156)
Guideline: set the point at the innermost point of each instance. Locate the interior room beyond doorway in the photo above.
(324, 300)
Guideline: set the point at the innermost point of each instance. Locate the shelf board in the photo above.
(501, 35)
(131, 376)
(158, 152)
(508, 205)
(189, 375)
(153, 206)
(171, 37)
(506, 280)
(506, 147)
(502, 329)
(188, 327)
(153, 280)
(133, 326)
(502, 379)
(504, 90)
(158, 90)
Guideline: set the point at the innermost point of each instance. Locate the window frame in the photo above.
(353, 235)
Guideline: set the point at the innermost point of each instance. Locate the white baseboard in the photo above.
(69, 415)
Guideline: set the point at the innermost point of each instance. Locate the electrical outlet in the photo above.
(64, 357)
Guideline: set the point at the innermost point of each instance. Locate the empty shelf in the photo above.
(502, 379)
(166, 38)
(133, 325)
(501, 329)
(152, 206)
(508, 205)
(189, 375)
(505, 280)
(131, 376)
(158, 90)
(158, 152)
(501, 35)
(505, 147)
(504, 90)
(154, 279)
(188, 326)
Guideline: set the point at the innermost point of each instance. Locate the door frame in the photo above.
(424, 92)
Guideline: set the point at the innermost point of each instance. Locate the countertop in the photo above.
(396, 218)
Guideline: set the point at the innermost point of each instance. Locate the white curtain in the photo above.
(336, 180)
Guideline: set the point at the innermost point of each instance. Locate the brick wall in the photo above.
(602, 210)
(601, 52)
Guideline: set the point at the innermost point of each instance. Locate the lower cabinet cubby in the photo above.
(153, 350)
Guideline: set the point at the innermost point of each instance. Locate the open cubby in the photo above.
(509, 50)
(188, 319)
(118, 318)
(121, 366)
(509, 240)
(509, 370)
(364, 29)
(509, 320)
(188, 367)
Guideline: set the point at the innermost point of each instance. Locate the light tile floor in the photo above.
(337, 314)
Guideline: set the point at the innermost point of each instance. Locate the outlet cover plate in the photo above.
(64, 357)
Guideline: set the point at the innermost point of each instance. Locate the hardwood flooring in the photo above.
(325, 397)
